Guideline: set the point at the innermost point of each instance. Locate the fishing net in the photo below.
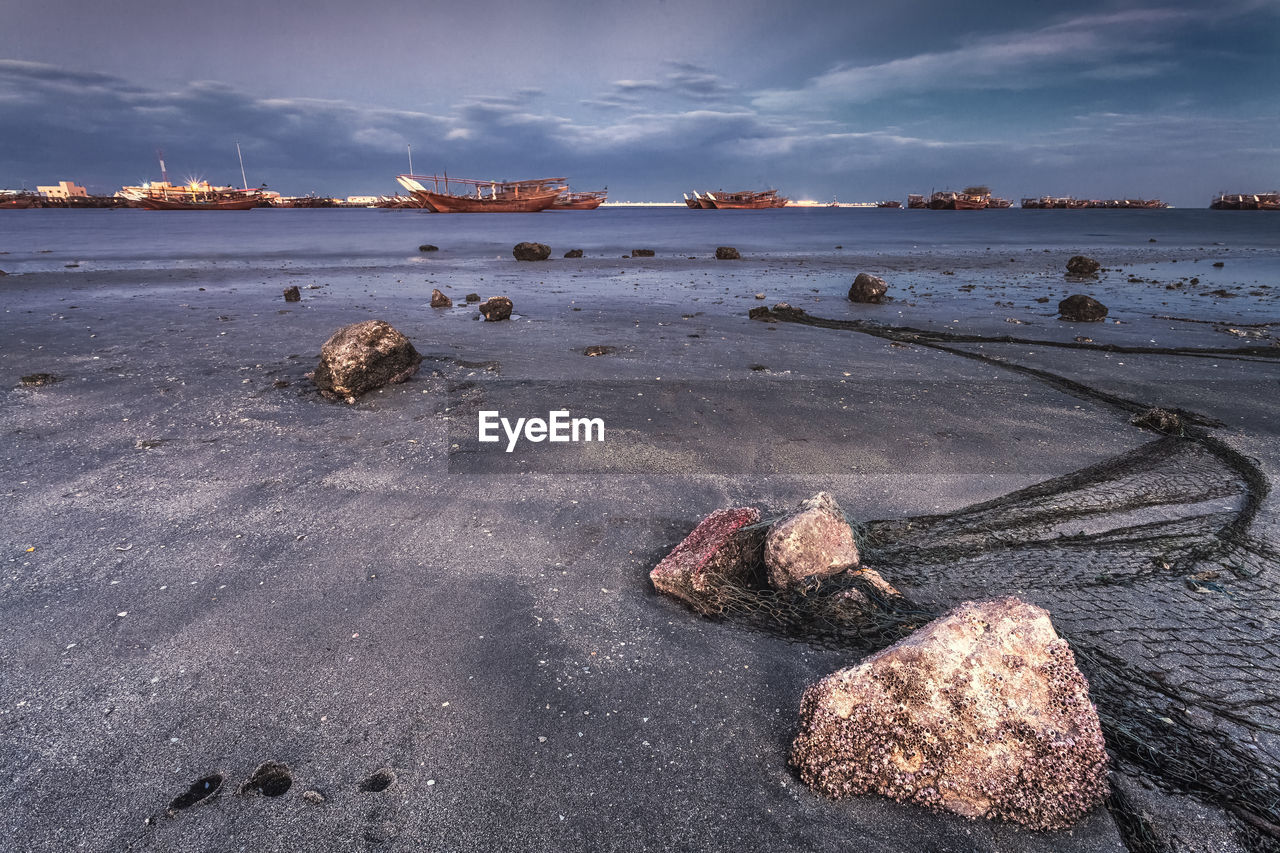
(1148, 566)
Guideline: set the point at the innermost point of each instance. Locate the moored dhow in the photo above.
(196, 195)
(443, 194)
(744, 200)
(1242, 201)
(588, 200)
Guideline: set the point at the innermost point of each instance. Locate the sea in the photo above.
(80, 241)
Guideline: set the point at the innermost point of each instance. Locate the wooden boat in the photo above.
(194, 195)
(999, 203)
(399, 202)
(197, 195)
(949, 200)
(889, 203)
(1239, 201)
(692, 203)
(917, 202)
(580, 201)
(528, 196)
(705, 202)
(747, 200)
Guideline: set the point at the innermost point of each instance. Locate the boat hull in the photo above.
(174, 204)
(758, 204)
(441, 203)
(586, 201)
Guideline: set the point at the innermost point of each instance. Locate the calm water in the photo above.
(48, 240)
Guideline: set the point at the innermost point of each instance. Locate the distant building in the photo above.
(64, 189)
(362, 199)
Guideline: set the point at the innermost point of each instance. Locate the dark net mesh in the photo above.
(1148, 567)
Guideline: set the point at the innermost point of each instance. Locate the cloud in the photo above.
(684, 80)
(1118, 45)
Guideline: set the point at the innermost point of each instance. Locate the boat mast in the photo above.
(242, 177)
(164, 176)
(410, 147)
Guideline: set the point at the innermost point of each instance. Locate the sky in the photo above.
(820, 99)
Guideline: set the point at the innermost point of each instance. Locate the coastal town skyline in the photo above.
(821, 100)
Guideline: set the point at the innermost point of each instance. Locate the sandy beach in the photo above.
(210, 567)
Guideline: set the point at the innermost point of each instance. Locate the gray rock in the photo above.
(1082, 309)
(727, 253)
(364, 356)
(531, 251)
(867, 288)
(496, 308)
(427, 247)
(1159, 420)
(982, 713)
(573, 253)
(642, 253)
(472, 297)
(292, 294)
(813, 542)
(1081, 265)
(439, 300)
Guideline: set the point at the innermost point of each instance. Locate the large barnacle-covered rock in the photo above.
(982, 713)
(362, 357)
(719, 550)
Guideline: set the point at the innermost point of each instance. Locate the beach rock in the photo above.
(531, 251)
(313, 796)
(1159, 420)
(292, 294)
(427, 247)
(717, 551)
(496, 308)
(439, 300)
(1080, 265)
(472, 297)
(727, 253)
(573, 253)
(1081, 309)
(982, 713)
(36, 380)
(3, 273)
(867, 289)
(813, 542)
(364, 356)
(642, 253)
(599, 349)
(760, 312)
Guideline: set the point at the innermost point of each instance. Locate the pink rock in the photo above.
(717, 550)
(815, 541)
(981, 712)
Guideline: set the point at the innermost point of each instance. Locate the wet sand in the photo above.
(210, 567)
